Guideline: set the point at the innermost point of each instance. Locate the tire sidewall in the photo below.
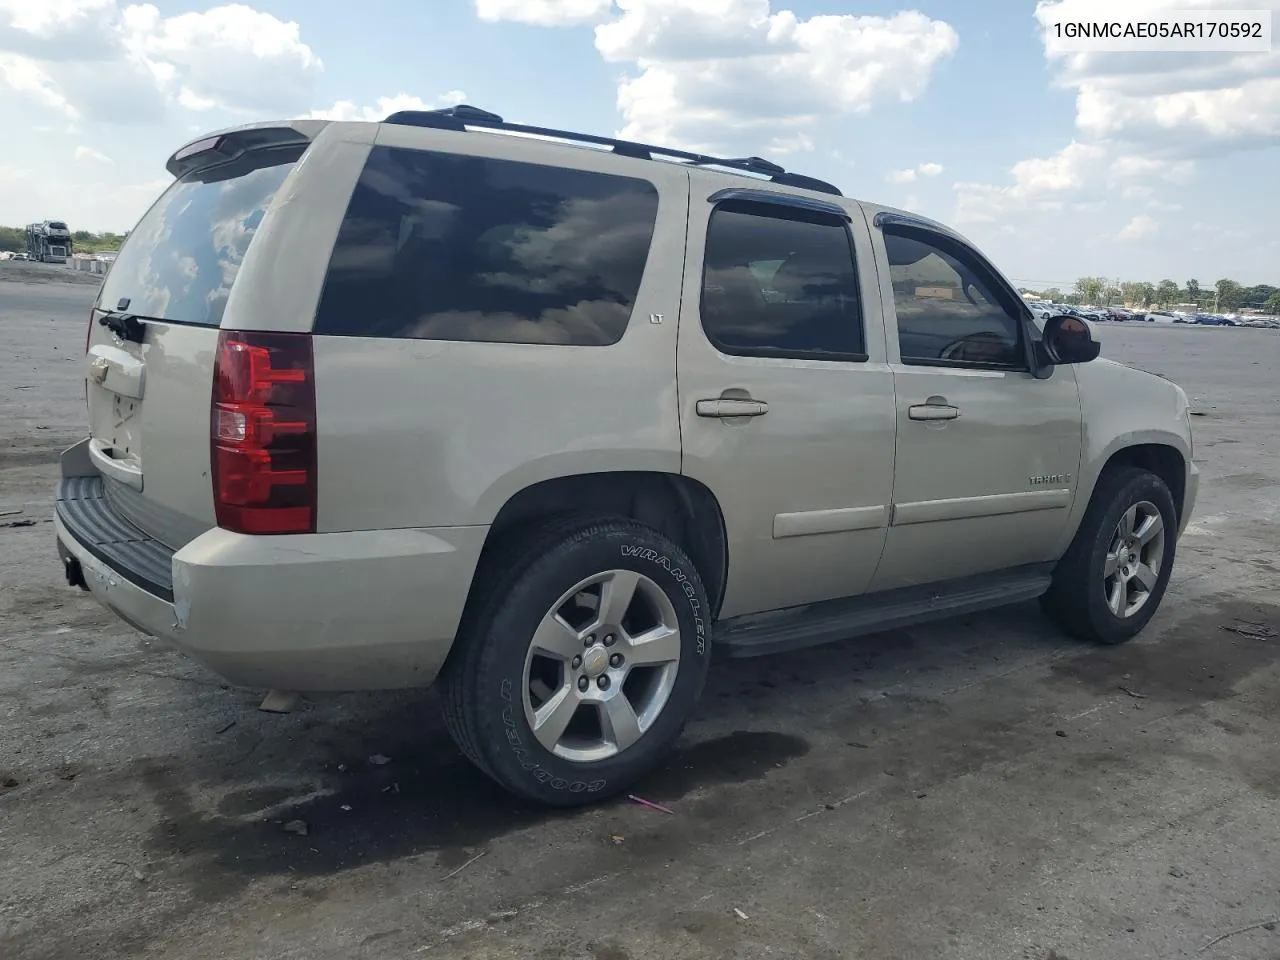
(1111, 628)
(505, 736)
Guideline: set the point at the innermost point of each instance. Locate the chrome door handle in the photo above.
(728, 408)
(933, 411)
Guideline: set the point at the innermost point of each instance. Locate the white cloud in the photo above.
(708, 73)
(910, 174)
(1186, 104)
(793, 143)
(88, 153)
(348, 110)
(1138, 228)
(24, 76)
(1078, 173)
(543, 13)
(87, 203)
(98, 60)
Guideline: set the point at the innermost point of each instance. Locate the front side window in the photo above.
(947, 310)
(780, 283)
(444, 246)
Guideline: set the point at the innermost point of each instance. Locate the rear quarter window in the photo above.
(448, 247)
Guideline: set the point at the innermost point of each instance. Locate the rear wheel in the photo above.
(582, 656)
(1109, 584)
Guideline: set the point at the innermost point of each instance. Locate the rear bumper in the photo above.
(333, 611)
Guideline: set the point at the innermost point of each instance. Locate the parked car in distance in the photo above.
(545, 418)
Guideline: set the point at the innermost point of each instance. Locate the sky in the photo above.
(1130, 166)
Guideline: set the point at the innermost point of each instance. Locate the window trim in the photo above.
(780, 209)
(778, 199)
(948, 242)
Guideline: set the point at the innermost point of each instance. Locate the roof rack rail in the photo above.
(463, 116)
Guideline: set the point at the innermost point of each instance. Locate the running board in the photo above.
(760, 634)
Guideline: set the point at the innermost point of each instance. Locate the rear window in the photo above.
(180, 261)
(447, 247)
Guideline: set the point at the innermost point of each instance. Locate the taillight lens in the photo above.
(263, 433)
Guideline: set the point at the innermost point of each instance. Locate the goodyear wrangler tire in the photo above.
(582, 658)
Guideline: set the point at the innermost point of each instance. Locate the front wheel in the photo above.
(1110, 582)
(583, 655)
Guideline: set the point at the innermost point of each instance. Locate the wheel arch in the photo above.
(1162, 454)
(678, 506)
(1164, 460)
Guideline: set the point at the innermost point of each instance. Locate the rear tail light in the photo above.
(263, 433)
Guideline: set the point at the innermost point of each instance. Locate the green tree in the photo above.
(1230, 294)
(1053, 294)
(1193, 291)
(1273, 304)
(1089, 289)
(1112, 295)
(1256, 296)
(1166, 293)
(1131, 293)
(1148, 294)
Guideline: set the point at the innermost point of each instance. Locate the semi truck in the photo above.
(49, 241)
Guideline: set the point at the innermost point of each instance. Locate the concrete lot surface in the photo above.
(982, 788)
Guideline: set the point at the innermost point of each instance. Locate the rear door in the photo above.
(153, 332)
(786, 398)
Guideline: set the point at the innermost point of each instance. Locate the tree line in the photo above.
(1224, 296)
(15, 239)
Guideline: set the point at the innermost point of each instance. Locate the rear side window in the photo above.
(183, 256)
(447, 247)
(779, 282)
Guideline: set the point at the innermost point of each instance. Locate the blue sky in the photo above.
(1130, 166)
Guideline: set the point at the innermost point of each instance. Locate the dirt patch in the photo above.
(429, 799)
(22, 271)
(1199, 660)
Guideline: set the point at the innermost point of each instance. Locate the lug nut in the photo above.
(583, 683)
(576, 662)
(615, 661)
(603, 683)
(590, 641)
(610, 639)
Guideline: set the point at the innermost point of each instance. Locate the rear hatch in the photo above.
(153, 332)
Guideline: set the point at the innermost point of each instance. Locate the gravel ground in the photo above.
(982, 788)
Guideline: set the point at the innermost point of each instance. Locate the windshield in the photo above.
(180, 261)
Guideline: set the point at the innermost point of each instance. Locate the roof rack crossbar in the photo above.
(462, 116)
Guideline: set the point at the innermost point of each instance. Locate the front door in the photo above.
(987, 453)
(786, 397)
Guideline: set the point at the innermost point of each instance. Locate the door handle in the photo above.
(933, 411)
(726, 408)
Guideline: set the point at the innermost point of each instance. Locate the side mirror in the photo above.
(1068, 339)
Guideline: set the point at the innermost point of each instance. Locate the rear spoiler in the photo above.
(224, 145)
